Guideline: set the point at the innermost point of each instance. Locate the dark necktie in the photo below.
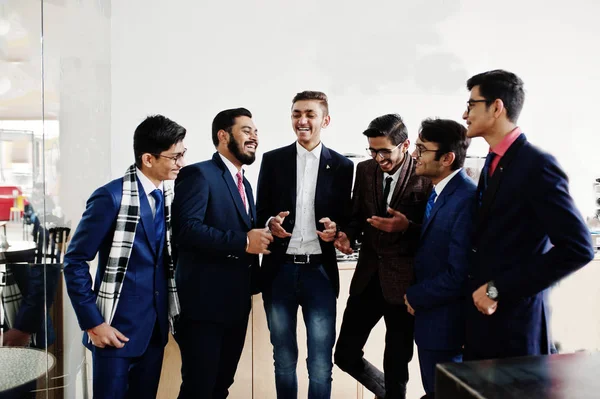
(485, 173)
(386, 193)
(159, 217)
(429, 206)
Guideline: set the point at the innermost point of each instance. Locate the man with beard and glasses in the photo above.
(217, 259)
(303, 195)
(388, 203)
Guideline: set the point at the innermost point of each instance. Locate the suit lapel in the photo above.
(494, 181)
(288, 169)
(233, 190)
(251, 206)
(405, 173)
(441, 200)
(146, 218)
(378, 192)
(324, 179)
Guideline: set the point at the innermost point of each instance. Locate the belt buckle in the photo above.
(297, 259)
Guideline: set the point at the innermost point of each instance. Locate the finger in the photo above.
(394, 212)
(266, 252)
(283, 214)
(324, 220)
(120, 335)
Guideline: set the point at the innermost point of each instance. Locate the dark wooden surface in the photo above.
(572, 376)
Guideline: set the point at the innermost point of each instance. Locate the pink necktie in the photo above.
(240, 184)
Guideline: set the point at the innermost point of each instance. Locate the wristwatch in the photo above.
(492, 291)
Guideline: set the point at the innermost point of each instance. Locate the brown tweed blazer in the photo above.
(389, 254)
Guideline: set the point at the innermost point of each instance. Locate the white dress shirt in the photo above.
(234, 171)
(304, 235)
(148, 188)
(440, 186)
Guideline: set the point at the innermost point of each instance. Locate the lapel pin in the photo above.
(327, 167)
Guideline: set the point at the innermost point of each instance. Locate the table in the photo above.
(19, 366)
(17, 251)
(572, 376)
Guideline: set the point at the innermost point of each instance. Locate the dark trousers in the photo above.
(362, 313)
(210, 353)
(428, 359)
(129, 377)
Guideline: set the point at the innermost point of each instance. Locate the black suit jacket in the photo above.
(214, 274)
(277, 193)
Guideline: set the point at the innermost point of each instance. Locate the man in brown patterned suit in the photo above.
(388, 205)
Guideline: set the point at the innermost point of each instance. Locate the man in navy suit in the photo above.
(528, 234)
(128, 351)
(437, 297)
(214, 228)
(303, 195)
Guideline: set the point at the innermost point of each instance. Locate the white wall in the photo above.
(189, 59)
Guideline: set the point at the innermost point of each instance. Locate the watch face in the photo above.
(492, 292)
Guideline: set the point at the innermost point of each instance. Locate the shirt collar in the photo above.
(441, 185)
(146, 183)
(303, 152)
(507, 141)
(396, 174)
(231, 167)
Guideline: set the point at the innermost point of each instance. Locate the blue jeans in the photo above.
(307, 286)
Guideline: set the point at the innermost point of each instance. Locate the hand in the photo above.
(275, 225)
(14, 337)
(484, 304)
(258, 241)
(409, 308)
(103, 335)
(397, 223)
(328, 234)
(342, 243)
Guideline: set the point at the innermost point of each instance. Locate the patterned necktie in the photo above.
(159, 217)
(386, 193)
(485, 173)
(430, 203)
(240, 186)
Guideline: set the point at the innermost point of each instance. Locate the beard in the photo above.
(234, 148)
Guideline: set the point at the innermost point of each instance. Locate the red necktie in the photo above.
(240, 185)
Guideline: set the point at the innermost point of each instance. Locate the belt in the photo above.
(304, 259)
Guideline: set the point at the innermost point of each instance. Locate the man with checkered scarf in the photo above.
(127, 311)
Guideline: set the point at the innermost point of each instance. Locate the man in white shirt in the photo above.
(303, 196)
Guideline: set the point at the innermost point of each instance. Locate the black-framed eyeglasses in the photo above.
(420, 150)
(384, 153)
(175, 158)
(471, 104)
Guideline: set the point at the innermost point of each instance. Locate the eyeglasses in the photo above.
(175, 158)
(471, 104)
(384, 153)
(420, 150)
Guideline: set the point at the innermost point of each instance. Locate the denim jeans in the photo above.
(307, 286)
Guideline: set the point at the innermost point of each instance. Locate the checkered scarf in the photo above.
(114, 274)
(11, 298)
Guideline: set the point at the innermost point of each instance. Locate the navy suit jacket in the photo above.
(277, 193)
(441, 265)
(143, 297)
(528, 235)
(215, 275)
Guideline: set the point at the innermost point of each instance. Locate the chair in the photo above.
(17, 210)
(53, 246)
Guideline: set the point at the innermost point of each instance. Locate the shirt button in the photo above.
(156, 293)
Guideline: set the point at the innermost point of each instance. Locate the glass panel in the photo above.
(27, 286)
